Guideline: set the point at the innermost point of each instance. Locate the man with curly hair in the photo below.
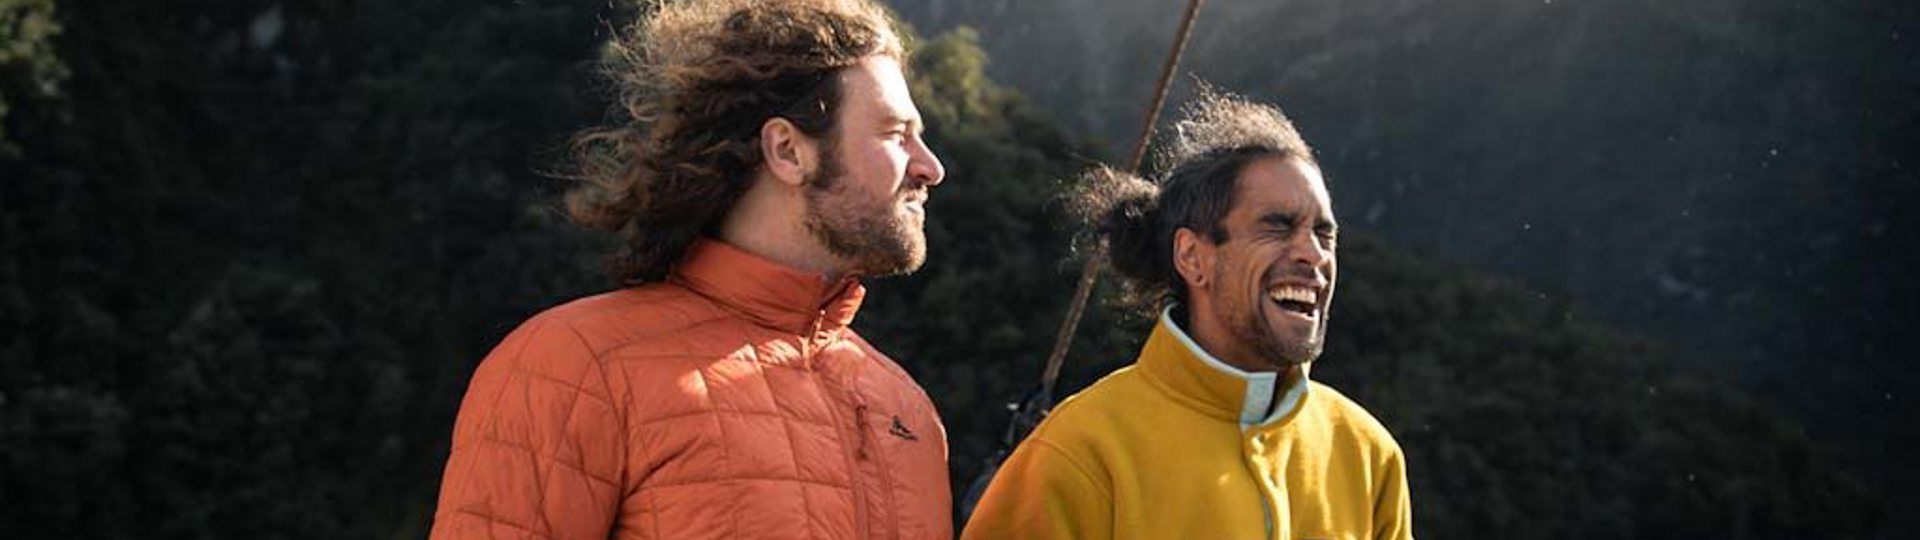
(767, 157)
(1215, 431)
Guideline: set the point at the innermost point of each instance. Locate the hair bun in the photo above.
(1120, 209)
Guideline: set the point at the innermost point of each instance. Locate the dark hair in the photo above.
(696, 80)
(1219, 135)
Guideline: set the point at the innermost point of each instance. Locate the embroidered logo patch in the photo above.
(900, 430)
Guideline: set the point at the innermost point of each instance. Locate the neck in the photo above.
(1288, 377)
(1242, 358)
(769, 220)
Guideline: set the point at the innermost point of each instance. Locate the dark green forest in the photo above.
(1727, 178)
(253, 251)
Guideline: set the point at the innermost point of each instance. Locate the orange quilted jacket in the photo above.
(731, 401)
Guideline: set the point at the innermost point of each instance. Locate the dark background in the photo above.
(1617, 268)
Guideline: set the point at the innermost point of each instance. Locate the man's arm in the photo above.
(1042, 492)
(1392, 507)
(538, 446)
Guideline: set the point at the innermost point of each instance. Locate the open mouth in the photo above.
(1298, 300)
(915, 204)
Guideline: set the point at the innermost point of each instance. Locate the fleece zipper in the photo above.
(1263, 483)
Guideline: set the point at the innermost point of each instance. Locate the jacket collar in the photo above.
(766, 292)
(1178, 365)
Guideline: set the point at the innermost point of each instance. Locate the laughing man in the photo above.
(1216, 430)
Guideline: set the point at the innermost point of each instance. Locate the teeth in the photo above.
(1297, 294)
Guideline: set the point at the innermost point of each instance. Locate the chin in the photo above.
(1292, 349)
(915, 256)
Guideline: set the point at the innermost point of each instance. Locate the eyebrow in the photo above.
(1279, 218)
(1289, 218)
(891, 120)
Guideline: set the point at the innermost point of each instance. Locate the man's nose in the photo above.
(925, 167)
(1308, 248)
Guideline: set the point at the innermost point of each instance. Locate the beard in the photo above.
(1251, 323)
(869, 233)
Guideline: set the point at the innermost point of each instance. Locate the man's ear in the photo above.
(791, 155)
(1192, 256)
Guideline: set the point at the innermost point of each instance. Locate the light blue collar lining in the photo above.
(1260, 385)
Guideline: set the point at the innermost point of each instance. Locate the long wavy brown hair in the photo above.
(696, 79)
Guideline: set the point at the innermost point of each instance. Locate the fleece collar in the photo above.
(1176, 363)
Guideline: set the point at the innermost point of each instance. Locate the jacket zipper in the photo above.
(860, 423)
(854, 454)
(886, 480)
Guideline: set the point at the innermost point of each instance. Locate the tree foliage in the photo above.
(249, 258)
(246, 282)
(29, 68)
(1521, 419)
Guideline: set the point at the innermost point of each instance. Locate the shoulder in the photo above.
(585, 331)
(1350, 418)
(1094, 413)
(610, 320)
(886, 363)
(894, 380)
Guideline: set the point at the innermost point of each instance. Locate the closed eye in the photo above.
(1328, 233)
(901, 128)
(1278, 224)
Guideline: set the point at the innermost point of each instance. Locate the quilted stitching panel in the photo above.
(735, 384)
(799, 396)
(521, 460)
(778, 510)
(760, 448)
(683, 450)
(695, 512)
(688, 423)
(910, 467)
(817, 454)
(664, 394)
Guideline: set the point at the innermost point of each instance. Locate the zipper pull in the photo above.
(860, 424)
(807, 349)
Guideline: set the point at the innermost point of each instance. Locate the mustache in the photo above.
(1283, 271)
(913, 189)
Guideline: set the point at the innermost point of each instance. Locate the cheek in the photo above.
(1247, 279)
(1261, 267)
(1333, 280)
(878, 168)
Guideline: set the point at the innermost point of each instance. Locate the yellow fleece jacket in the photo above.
(1182, 446)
